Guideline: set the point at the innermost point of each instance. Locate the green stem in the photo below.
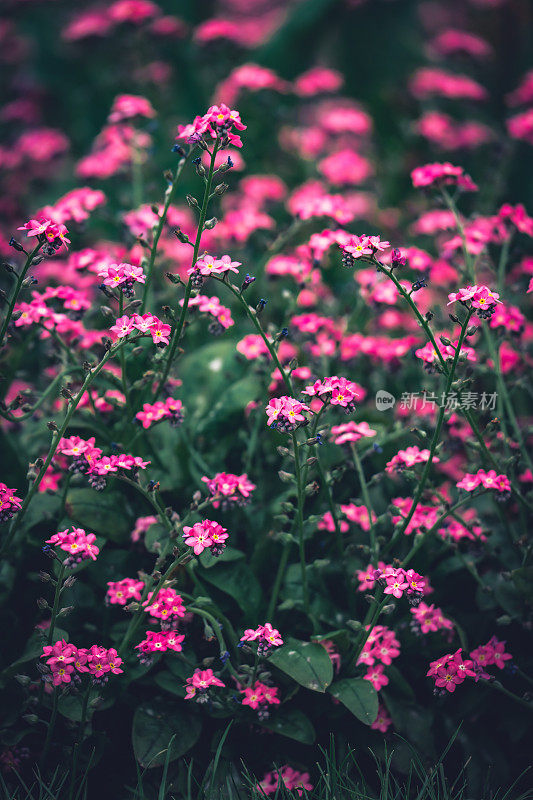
(16, 291)
(499, 688)
(176, 333)
(51, 726)
(282, 566)
(57, 595)
(421, 538)
(49, 389)
(216, 630)
(169, 194)
(122, 356)
(435, 440)
(56, 437)
(300, 520)
(495, 356)
(252, 316)
(374, 549)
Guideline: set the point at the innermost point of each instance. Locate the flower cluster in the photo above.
(145, 324)
(451, 670)
(217, 123)
(480, 298)
(165, 606)
(205, 534)
(198, 684)
(266, 637)
(213, 307)
(438, 175)
(286, 414)
(122, 592)
(209, 265)
(428, 619)
(405, 459)
(227, 489)
(122, 464)
(351, 432)
(78, 544)
(379, 651)
(363, 246)
(9, 502)
(489, 480)
(288, 777)
(123, 276)
(168, 409)
(159, 642)
(334, 390)
(259, 697)
(396, 581)
(51, 234)
(67, 662)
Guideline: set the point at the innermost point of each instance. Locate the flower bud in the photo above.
(210, 223)
(191, 201)
(286, 477)
(42, 603)
(24, 680)
(181, 236)
(221, 189)
(173, 278)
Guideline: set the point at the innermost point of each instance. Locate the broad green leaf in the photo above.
(359, 697)
(292, 724)
(306, 662)
(170, 683)
(208, 560)
(154, 725)
(71, 705)
(156, 533)
(238, 581)
(97, 512)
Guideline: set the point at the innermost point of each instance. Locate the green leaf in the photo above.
(238, 581)
(155, 533)
(292, 724)
(523, 580)
(154, 725)
(359, 697)
(306, 662)
(99, 513)
(71, 705)
(208, 560)
(170, 683)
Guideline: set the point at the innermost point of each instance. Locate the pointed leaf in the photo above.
(359, 697)
(306, 662)
(154, 725)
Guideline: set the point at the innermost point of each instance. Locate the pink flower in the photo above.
(448, 677)
(160, 332)
(376, 677)
(253, 697)
(122, 592)
(122, 327)
(436, 175)
(285, 413)
(9, 503)
(383, 721)
(351, 432)
(205, 534)
(78, 544)
(126, 106)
